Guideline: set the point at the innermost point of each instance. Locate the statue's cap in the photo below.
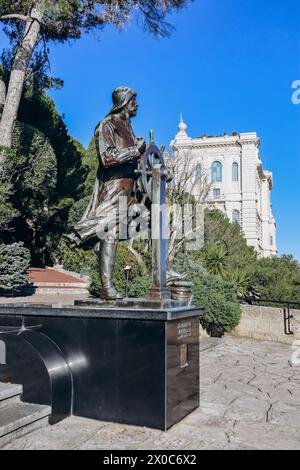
(121, 96)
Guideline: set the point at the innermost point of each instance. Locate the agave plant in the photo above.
(214, 258)
(242, 284)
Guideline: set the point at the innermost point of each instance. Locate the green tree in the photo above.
(219, 230)
(30, 21)
(14, 263)
(39, 111)
(277, 278)
(91, 161)
(45, 175)
(34, 183)
(7, 212)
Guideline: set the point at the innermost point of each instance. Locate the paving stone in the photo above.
(9, 391)
(208, 343)
(19, 415)
(266, 436)
(249, 399)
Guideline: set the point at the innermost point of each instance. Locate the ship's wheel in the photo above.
(152, 156)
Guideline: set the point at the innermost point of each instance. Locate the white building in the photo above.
(238, 185)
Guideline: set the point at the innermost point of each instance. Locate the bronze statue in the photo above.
(119, 152)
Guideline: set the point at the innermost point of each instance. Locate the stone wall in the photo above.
(266, 323)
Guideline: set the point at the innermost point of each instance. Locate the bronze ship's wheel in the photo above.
(152, 156)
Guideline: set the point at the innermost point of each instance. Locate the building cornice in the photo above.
(216, 142)
(194, 144)
(265, 175)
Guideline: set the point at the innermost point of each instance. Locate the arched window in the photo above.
(236, 216)
(216, 172)
(198, 172)
(235, 171)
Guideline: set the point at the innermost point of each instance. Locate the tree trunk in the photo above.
(17, 76)
(2, 93)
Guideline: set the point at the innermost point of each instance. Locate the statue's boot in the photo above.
(107, 257)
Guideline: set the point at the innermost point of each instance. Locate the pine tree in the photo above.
(32, 21)
(14, 263)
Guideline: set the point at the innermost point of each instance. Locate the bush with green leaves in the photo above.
(77, 260)
(94, 273)
(139, 287)
(14, 263)
(219, 297)
(186, 263)
(85, 262)
(126, 258)
(140, 278)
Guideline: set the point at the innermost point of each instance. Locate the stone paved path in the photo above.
(250, 399)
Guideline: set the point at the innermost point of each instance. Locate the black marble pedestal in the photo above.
(133, 366)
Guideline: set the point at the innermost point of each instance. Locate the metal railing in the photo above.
(286, 306)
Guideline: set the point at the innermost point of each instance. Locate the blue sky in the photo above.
(228, 66)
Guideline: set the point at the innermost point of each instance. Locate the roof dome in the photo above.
(182, 134)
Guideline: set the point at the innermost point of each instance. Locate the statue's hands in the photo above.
(141, 144)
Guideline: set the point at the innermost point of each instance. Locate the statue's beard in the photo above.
(127, 115)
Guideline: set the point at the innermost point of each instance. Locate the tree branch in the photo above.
(136, 253)
(15, 16)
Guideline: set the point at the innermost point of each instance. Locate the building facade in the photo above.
(238, 185)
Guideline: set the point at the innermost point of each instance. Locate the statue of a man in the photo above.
(118, 151)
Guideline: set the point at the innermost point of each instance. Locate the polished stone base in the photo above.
(132, 303)
(114, 364)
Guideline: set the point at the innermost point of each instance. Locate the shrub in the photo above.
(242, 283)
(14, 263)
(219, 299)
(95, 283)
(185, 263)
(139, 287)
(218, 296)
(214, 258)
(76, 260)
(140, 279)
(87, 263)
(126, 258)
